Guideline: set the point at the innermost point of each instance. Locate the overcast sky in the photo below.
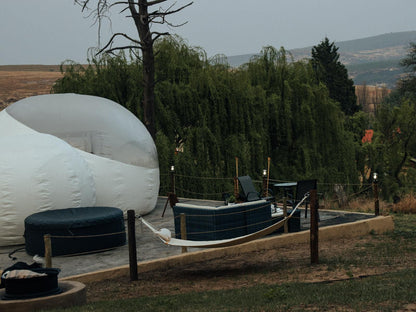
(51, 31)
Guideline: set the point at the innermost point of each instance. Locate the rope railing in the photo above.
(48, 249)
(334, 195)
(354, 195)
(230, 229)
(198, 193)
(203, 178)
(263, 223)
(88, 236)
(87, 252)
(270, 180)
(227, 229)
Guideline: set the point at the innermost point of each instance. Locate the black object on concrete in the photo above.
(75, 230)
(30, 287)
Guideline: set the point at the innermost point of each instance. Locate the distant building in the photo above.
(369, 97)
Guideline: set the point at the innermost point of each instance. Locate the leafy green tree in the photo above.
(305, 126)
(407, 85)
(208, 114)
(357, 125)
(330, 71)
(395, 136)
(115, 78)
(396, 143)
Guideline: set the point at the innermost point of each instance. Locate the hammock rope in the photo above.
(166, 237)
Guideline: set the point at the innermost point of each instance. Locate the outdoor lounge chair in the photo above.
(249, 192)
(303, 187)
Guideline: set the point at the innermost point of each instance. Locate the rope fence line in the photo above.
(228, 229)
(202, 178)
(88, 236)
(263, 222)
(350, 196)
(48, 251)
(197, 193)
(270, 180)
(349, 184)
(333, 193)
(86, 252)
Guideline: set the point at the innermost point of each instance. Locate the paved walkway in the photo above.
(149, 247)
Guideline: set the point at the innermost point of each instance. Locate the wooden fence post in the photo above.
(131, 229)
(314, 231)
(48, 250)
(376, 201)
(285, 226)
(236, 191)
(172, 179)
(183, 230)
(172, 198)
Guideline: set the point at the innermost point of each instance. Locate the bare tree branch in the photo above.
(110, 42)
(143, 21)
(181, 8)
(120, 48)
(150, 3)
(167, 12)
(159, 35)
(83, 3)
(119, 2)
(154, 16)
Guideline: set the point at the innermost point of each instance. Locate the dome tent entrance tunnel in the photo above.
(66, 151)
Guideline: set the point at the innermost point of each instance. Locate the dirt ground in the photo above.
(291, 264)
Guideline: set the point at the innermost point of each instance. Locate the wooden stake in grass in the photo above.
(48, 250)
(314, 228)
(131, 227)
(236, 192)
(375, 192)
(183, 230)
(268, 176)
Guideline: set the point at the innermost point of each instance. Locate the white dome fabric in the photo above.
(66, 151)
(39, 172)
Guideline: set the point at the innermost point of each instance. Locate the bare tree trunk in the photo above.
(139, 10)
(149, 94)
(146, 45)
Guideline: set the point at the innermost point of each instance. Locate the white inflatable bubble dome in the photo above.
(66, 151)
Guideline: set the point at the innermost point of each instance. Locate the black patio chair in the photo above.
(249, 192)
(303, 187)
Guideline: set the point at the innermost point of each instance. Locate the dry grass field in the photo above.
(21, 81)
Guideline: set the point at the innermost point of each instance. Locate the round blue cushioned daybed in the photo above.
(75, 230)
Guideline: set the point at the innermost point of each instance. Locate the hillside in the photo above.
(371, 60)
(20, 81)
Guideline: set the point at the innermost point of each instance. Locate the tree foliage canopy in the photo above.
(407, 85)
(395, 141)
(330, 71)
(210, 113)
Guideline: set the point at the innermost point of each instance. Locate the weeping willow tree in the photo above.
(114, 78)
(306, 127)
(208, 113)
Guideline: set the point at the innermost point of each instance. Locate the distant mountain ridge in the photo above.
(373, 49)
(372, 60)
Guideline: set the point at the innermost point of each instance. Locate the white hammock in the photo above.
(166, 237)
